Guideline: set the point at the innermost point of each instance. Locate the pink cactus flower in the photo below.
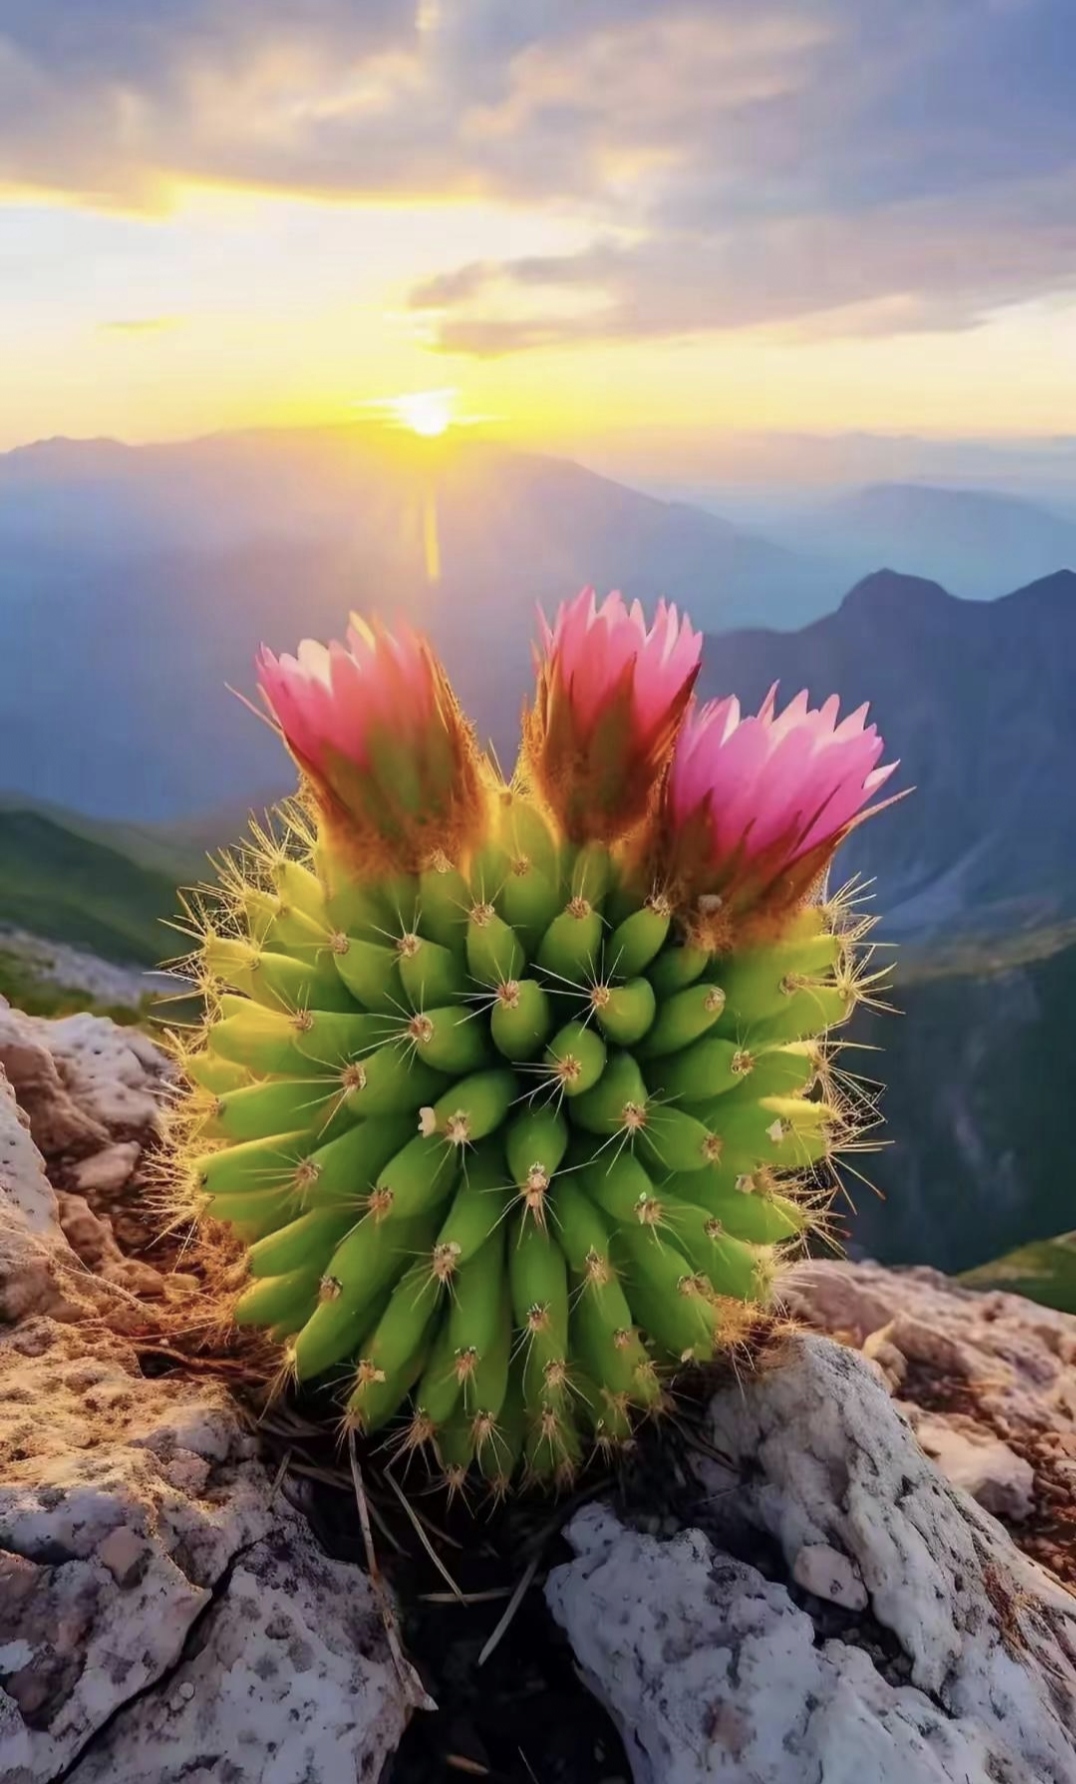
(757, 804)
(611, 695)
(595, 648)
(375, 727)
(332, 701)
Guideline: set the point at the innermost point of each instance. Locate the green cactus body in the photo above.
(277, 1106)
(430, 973)
(625, 1012)
(522, 1018)
(273, 1301)
(505, 1148)
(529, 901)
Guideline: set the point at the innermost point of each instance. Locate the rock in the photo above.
(83, 1081)
(140, 1554)
(830, 1575)
(989, 1380)
(69, 1483)
(29, 1200)
(95, 1243)
(37, 1267)
(878, 1348)
(107, 1171)
(161, 1617)
(1014, 1351)
(715, 1677)
(57, 1256)
(958, 1667)
(276, 1686)
(56, 1121)
(115, 1075)
(970, 1457)
(125, 1554)
(86, 1084)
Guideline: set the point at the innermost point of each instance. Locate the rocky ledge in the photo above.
(162, 1615)
(838, 1612)
(862, 1580)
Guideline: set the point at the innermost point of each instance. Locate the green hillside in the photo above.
(977, 1070)
(1044, 1271)
(61, 883)
(166, 849)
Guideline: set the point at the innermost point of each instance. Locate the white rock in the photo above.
(829, 1575)
(1010, 1355)
(960, 1669)
(972, 1458)
(27, 1198)
(115, 1074)
(714, 1676)
(15, 1654)
(160, 1618)
(280, 1687)
(994, 1377)
(39, 1273)
(128, 1507)
(107, 1170)
(70, 1480)
(47, 1241)
(58, 1124)
(82, 1080)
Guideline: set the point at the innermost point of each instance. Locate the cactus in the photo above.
(519, 1094)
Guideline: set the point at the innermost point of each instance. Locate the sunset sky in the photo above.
(569, 217)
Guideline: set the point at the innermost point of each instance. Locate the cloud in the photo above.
(913, 265)
(118, 107)
(138, 325)
(838, 170)
(821, 164)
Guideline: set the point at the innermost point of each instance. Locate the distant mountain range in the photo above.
(136, 582)
(143, 576)
(977, 544)
(976, 700)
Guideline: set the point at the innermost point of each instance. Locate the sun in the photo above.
(425, 412)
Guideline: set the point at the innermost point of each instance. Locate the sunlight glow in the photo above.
(425, 412)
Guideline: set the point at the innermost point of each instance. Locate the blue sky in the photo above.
(599, 212)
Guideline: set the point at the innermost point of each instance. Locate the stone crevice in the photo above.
(217, 1591)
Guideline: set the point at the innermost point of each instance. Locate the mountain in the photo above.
(177, 851)
(978, 543)
(975, 699)
(977, 1069)
(136, 582)
(1043, 1271)
(59, 882)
